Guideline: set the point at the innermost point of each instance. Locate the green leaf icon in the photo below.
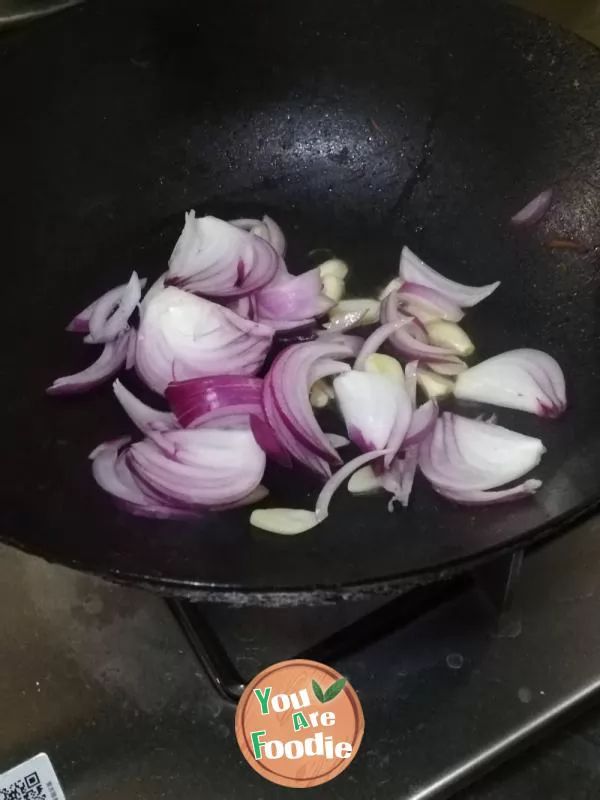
(334, 690)
(318, 692)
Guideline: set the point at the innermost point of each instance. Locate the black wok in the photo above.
(360, 127)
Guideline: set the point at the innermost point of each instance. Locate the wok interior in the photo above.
(359, 132)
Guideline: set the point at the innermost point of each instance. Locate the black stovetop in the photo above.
(102, 679)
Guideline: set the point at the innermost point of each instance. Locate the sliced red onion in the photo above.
(470, 455)
(337, 441)
(370, 406)
(377, 338)
(287, 405)
(215, 258)
(422, 423)
(110, 315)
(404, 340)
(407, 478)
(267, 229)
(391, 313)
(246, 223)
(276, 236)
(334, 483)
(391, 481)
(534, 210)
(244, 306)
(131, 347)
(376, 407)
(147, 419)
(110, 362)
(112, 474)
(295, 300)
(268, 441)
(392, 286)
(204, 468)
(401, 424)
(81, 322)
(414, 270)
(525, 379)
(399, 472)
(156, 288)
(182, 336)
(253, 226)
(430, 300)
(291, 327)
(478, 498)
(326, 368)
(215, 399)
(410, 462)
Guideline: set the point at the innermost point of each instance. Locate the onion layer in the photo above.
(534, 210)
(410, 340)
(182, 336)
(297, 300)
(525, 379)
(414, 270)
(81, 322)
(219, 400)
(198, 468)
(466, 455)
(110, 362)
(430, 300)
(287, 405)
(112, 474)
(147, 419)
(215, 258)
(110, 315)
(369, 406)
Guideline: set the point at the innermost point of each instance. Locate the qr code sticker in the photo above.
(29, 788)
(33, 780)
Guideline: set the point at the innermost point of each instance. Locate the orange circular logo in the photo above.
(299, 723)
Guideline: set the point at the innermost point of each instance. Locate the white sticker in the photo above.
(32, 780)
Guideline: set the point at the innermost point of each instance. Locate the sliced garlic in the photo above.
(384, 365)
(285, 521)
(367, 305)
(346, 322)
(333, 287)
(434, 385)
(449, 368)
(449, 334)
(424, 315)
(320, 394)
(364, 481)
(392, 286)
(334, 267)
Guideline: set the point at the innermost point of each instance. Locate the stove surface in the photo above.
(101, 678)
